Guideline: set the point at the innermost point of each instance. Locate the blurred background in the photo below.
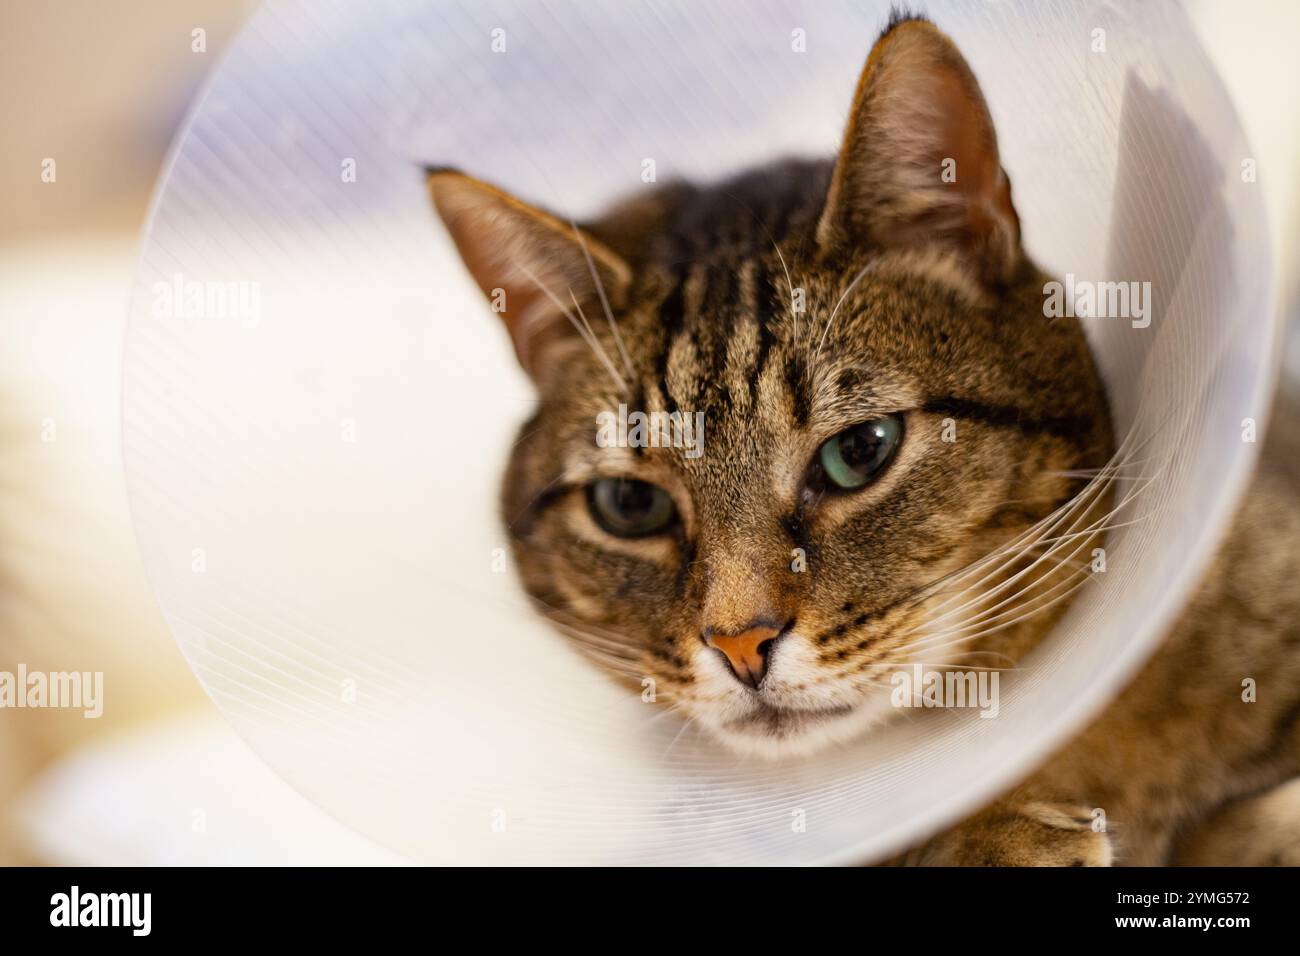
(159, 778)
(102, 88)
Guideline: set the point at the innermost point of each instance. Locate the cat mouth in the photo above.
(784, 721)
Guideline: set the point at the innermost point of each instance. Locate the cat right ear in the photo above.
(919, 163)
(532, 266)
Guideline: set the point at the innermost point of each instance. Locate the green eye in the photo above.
(855, 456)
(628, 508)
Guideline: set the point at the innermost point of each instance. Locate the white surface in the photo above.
(366, 565)
(182, 793)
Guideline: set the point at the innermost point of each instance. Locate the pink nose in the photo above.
(746, 652)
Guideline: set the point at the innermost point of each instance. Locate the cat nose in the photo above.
(746, 652)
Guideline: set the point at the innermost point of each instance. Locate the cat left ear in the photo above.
(919, 163)
(531, 265)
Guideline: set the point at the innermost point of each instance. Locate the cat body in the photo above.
(904, 462)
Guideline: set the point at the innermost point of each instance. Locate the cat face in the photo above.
(861, 434)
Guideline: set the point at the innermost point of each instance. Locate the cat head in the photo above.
(800, 429)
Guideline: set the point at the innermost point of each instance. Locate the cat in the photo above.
(836, 324)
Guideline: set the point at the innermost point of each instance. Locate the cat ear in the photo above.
(919, 163)
(530, 265)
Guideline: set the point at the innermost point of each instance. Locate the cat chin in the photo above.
(782, 734)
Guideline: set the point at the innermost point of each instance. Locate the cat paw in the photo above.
(1026, 834)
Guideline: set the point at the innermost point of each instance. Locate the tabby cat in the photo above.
(837, 323)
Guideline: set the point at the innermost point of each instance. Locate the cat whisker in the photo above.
(582, 328)
(595, 343)
(856, 279)
(988, 615)
(951, 664)
(686, 724)
(523, 438)
(789, 285)
(1084, 474)
(594, 639)
(1022, 551)
(1005, 610)
(1111, 467)
(669, 709)
(987, 594)
(1017, 548)
(616, 651)
(1098, 526)
(1041, 499)
(1084, 497)
(604, 300)
(624, 656)
(1011, 623)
